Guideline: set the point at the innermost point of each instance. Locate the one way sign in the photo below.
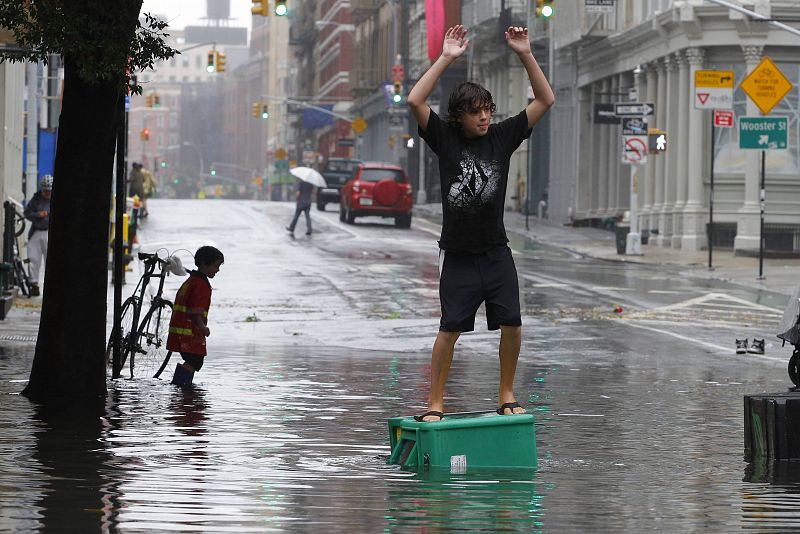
(634, 109)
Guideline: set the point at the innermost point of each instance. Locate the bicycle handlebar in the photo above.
(151, 258)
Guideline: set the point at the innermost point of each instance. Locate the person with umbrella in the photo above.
(307, 179)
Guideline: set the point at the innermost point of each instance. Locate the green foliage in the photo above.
(96, 34)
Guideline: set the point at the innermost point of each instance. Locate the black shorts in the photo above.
(467, 280)
(195, 360)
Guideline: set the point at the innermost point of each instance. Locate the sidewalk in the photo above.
(780, 275)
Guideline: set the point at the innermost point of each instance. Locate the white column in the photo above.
(648, 191)
(680, 147)
(748, 222)
(661, 104)
(613, 154)
(601, 171)
(694, 212)
(670, 157)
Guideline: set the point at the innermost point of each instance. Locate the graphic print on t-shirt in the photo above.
(476, 186)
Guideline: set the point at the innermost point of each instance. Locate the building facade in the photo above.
(649, 50)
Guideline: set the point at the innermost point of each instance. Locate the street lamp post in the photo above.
(199, 155)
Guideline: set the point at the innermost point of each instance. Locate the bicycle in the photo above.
(20, 277)
(143, 342)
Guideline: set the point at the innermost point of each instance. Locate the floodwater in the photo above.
(286, 428)
(295, 440)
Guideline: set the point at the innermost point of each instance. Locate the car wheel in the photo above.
(403, 221)
(341, 212)
(321, 206)
(351, 218)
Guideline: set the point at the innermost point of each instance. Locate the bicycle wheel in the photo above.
(128, 308)
(151, 342)
(21, 278)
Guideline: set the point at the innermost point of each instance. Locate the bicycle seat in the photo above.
(145, 256)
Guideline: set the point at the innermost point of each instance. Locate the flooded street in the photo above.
(317, 341)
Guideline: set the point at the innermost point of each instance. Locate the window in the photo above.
(376, 175)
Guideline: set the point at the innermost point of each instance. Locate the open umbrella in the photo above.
(307, 174)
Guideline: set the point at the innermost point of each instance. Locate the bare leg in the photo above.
(510, 343)
(441, 358)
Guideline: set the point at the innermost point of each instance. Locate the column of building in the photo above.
(694, 212)
(680, 148)
(658, 182)
(601, 171)
(648, 189)
(671, 123)
(748, 221)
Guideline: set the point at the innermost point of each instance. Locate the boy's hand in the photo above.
(206, 331)
(454, 43)
(517, 39)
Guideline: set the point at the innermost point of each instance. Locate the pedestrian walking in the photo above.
(38, 212)
(148, 190)
(475, 262)
(136, 179)
(188, 327)
(303, 192)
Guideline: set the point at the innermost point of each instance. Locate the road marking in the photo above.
(728, 299)
(718, 348)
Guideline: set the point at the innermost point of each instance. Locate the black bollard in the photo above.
(772, 426)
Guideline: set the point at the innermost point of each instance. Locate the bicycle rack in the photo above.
(6, 296)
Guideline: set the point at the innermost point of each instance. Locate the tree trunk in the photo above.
(70, 351)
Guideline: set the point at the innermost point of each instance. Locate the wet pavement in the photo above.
(317, 340)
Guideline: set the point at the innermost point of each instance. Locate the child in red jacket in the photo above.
(188, 327)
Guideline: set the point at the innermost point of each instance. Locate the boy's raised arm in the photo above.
(517, 39)
(454, 46)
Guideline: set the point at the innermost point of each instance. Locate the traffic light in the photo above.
(210, 64)
(213, 171)
(220, 62)
(156, 100)
(264, 111)
(545, 8)
(145, 135)
(280, 8)
(260, 7)
(397, 93)
(256, 110)
(149, 101)
(163, 164)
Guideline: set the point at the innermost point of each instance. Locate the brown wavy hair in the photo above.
(468, 95)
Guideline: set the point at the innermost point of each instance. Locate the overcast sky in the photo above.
(181, 13)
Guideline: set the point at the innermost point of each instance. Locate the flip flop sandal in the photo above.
(421, 418)
(510, 405)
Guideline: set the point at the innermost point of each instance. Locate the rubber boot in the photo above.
(182, 376)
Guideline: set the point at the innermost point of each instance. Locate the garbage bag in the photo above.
(789, 329)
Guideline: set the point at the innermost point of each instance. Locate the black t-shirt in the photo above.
(304, 188)
(474, 175)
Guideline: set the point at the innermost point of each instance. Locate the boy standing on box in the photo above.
(188, 326)
(475, 262)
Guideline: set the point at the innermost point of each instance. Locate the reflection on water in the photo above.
(631, 437)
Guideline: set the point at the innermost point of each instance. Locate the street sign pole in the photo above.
(711, 196)
(762, 197)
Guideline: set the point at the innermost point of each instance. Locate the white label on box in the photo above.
(458, 464)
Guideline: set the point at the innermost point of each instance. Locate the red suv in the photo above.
(380, 189)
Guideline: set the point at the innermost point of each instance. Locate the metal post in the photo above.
(711, 197)
(633, 242)
(762, 199)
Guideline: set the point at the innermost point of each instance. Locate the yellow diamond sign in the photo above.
(766, 85)
(358, 125)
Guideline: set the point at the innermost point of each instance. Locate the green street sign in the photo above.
(763, 133)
